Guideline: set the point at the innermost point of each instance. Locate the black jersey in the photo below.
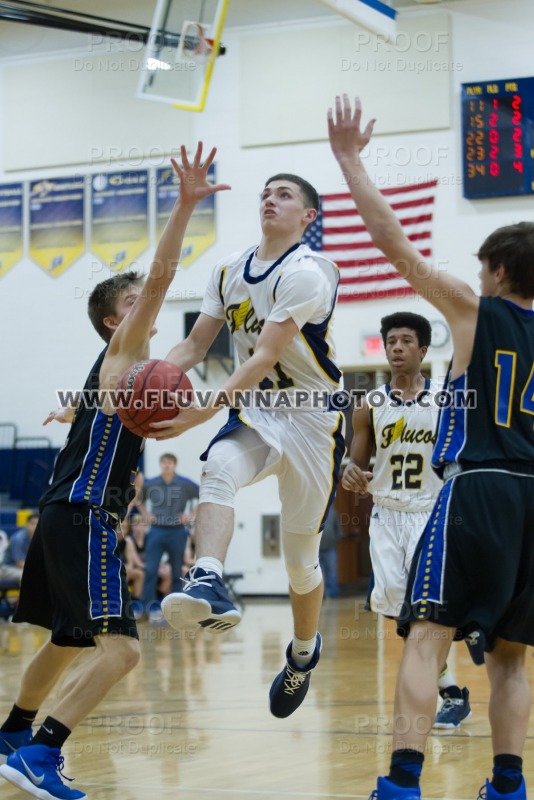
(495, 426)
(98, 462)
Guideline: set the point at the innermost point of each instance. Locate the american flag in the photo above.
(339, 233)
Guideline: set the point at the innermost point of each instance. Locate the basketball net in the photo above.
(194, 44)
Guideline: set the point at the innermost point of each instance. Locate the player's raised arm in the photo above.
(449, 294)
(194, 186)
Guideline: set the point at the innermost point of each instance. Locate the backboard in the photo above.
(181, 50)
(375, 15)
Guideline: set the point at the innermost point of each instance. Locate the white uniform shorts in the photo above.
(302, 448)
(393, 538)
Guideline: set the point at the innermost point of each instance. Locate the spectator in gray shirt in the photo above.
(169, 497)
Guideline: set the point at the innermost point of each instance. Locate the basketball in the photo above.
(148, 386)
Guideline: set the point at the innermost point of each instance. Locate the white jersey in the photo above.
(404, 433)
(301, 285)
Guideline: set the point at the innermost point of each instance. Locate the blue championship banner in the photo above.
(201, 228)
(56, 222)
(119, 232)
(10, 225)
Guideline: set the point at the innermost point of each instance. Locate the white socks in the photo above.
(210, 565)
(446, 678)
(302, 651)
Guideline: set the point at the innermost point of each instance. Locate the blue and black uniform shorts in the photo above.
(74, 582)
(474, 564)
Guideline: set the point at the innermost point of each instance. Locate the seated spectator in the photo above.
(131, 557)
(17, 549)
(4, 541)
(132, 549)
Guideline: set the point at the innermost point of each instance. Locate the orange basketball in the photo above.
(147, 388)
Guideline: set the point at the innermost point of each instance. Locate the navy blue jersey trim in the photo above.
(275, 288)
(259, 278)
(233, 423)
(221, 282)
(339, 452)
(314, 334)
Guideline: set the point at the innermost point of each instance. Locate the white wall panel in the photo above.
(83, 109)
(288, 78)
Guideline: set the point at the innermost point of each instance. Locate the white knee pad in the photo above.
(301, 552)
(232, 462)
(217, 484)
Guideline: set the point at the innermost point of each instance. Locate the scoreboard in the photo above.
(498, 138)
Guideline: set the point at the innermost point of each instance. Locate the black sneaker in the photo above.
(290, 686)
(204, 603)
(453, 711)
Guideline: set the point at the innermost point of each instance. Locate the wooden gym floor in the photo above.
(192, 720)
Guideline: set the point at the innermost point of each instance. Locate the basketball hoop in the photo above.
(182, 48)
(194, 44)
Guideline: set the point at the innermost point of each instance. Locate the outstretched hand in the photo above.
(194, 184)
(63, 414)
(346, 138)
(188, 418)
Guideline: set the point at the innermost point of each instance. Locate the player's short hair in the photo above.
(309, 193)
(103, 300)
(513, 247)
(168, 455)
(405, 319)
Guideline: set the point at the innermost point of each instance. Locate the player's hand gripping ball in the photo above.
(148, 389)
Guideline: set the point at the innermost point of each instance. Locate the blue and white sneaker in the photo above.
(487, 792)
(204, 603)
(454, 710)
(10, 742)
(37, 769)
(290, 686)
(387, 790)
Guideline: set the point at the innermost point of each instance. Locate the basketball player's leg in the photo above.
(112, 659)
(313, 447)
(87, 605)
(388, 559)
(233, 462)
(36, 764)
(455, 707)
(510, 698)
(93, 612)
(425, 650)
(306, 588)
(47, 665)
(306, 609)
(38, 679)
(43, 672)
(424, 653)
